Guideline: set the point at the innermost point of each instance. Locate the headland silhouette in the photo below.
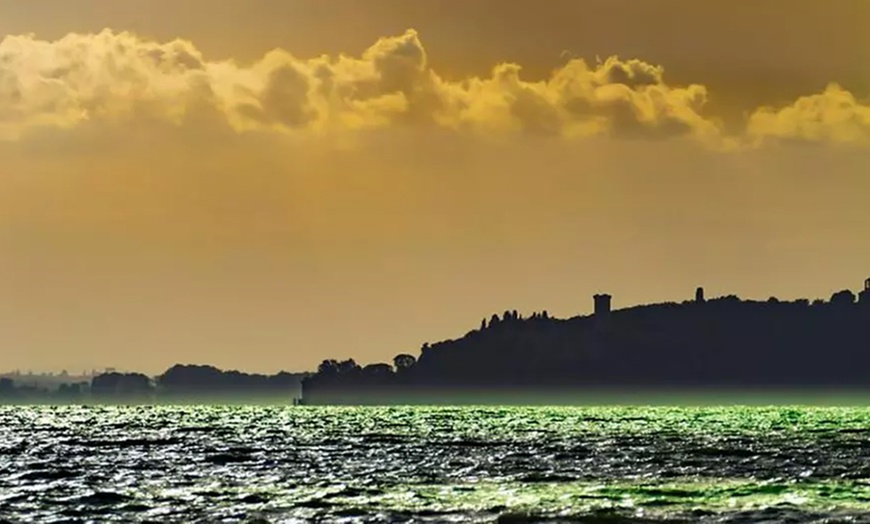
(723, 342)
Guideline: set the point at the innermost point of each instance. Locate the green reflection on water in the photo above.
(577, 498)
(744, 458)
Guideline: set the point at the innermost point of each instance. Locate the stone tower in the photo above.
(600, 322)
(602, 305)
(699, 295)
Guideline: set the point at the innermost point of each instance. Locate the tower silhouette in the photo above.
(602, 305)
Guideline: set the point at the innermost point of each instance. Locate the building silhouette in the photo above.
(699, 295)
(602, 319)
(602, 305)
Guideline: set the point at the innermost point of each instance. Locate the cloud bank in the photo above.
(118, 77)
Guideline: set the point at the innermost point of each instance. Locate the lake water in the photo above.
(439, 464)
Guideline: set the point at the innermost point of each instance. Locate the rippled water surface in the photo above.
(288, 464)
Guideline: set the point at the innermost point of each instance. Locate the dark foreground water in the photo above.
(294, 464)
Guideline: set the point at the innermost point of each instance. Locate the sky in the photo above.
(261, 185)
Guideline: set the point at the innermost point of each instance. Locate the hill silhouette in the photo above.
(723, 342)
(179, 383)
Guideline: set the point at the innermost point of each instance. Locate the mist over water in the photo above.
(387, 464)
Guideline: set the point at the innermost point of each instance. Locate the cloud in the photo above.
(118, 76)
(107, 76)
(834, 115)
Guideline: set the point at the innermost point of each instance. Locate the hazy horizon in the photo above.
(260, 186)
(79, 372)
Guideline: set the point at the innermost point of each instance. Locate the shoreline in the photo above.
(599, 397)
(464, 397)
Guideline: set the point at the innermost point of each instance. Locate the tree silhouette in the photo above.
(346, 367)
(404, 362)
(843, 298)
(328, 367)
(121, 384)
(377, 372)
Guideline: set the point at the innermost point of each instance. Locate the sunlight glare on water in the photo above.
(129, 464)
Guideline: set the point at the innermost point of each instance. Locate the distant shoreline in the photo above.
(845, 397)
(858, 396)
(719, 351)
(228, 399)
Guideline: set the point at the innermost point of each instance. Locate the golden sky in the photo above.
(260, 185)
